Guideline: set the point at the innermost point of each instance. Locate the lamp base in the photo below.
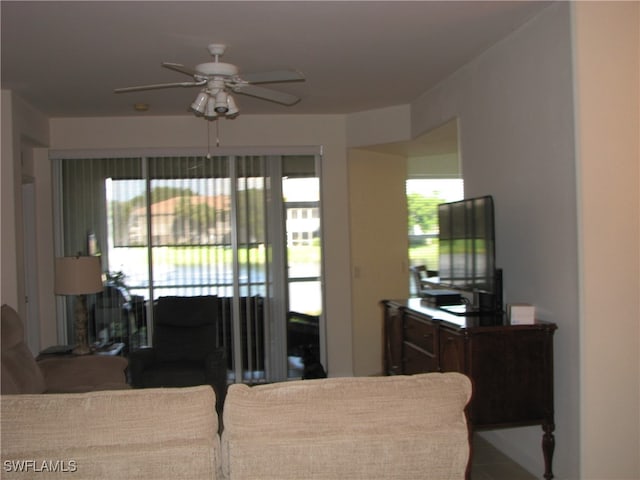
(80, 311)
(81, 350)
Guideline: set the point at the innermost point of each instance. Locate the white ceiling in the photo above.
(65, 58)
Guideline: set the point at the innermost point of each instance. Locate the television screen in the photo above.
(467, 245)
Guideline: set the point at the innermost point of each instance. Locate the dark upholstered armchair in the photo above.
(186, 347)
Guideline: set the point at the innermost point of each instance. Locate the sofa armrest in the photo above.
(139, 361)
(72, 374)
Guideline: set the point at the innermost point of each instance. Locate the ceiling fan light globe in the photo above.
(221, 102)
(210, 110)
(233, 108)
(200, 102)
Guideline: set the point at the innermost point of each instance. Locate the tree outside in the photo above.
(423, 198)
(423, 213)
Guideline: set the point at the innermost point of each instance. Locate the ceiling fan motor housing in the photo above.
(217, 68)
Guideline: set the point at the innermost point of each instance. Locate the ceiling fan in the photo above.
(219, 79)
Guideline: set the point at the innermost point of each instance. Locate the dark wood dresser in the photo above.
(510, 366)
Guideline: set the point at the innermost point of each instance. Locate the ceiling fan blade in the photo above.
(180, 68)
(160, 85)
(267, 94)
(274, 76)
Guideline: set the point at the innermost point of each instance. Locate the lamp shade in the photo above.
(78, 275)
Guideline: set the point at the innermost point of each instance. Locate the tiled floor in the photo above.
(491, 464)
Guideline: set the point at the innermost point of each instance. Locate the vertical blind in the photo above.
(190, 226)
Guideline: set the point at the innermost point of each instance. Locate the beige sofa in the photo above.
(403, 427)
(21, 373)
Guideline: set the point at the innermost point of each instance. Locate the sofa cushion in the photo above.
(20, 372)
(134, 434)
(401, 427)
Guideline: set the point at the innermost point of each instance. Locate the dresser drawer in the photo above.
(416, 360)
(422, 334)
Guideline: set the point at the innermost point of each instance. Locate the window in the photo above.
(423, 197)
(192, 225)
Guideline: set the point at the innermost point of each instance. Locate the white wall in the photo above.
(607, 64)
(327, 131)
(515, 109)
(380, 126)
(8, 213)
(23, 128)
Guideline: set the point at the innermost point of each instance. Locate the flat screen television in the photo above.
(467, 251)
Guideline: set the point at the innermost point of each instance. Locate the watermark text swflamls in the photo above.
(39, 466)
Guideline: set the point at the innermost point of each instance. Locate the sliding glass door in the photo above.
(243, 228)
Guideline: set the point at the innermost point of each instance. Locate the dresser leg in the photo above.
(548, 446)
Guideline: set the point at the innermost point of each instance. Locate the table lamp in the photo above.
(79, 276)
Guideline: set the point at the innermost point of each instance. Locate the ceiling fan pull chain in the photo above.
(209, 140)
(209, 137)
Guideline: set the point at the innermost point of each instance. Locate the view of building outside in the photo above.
(191, 238)
(304, 259)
